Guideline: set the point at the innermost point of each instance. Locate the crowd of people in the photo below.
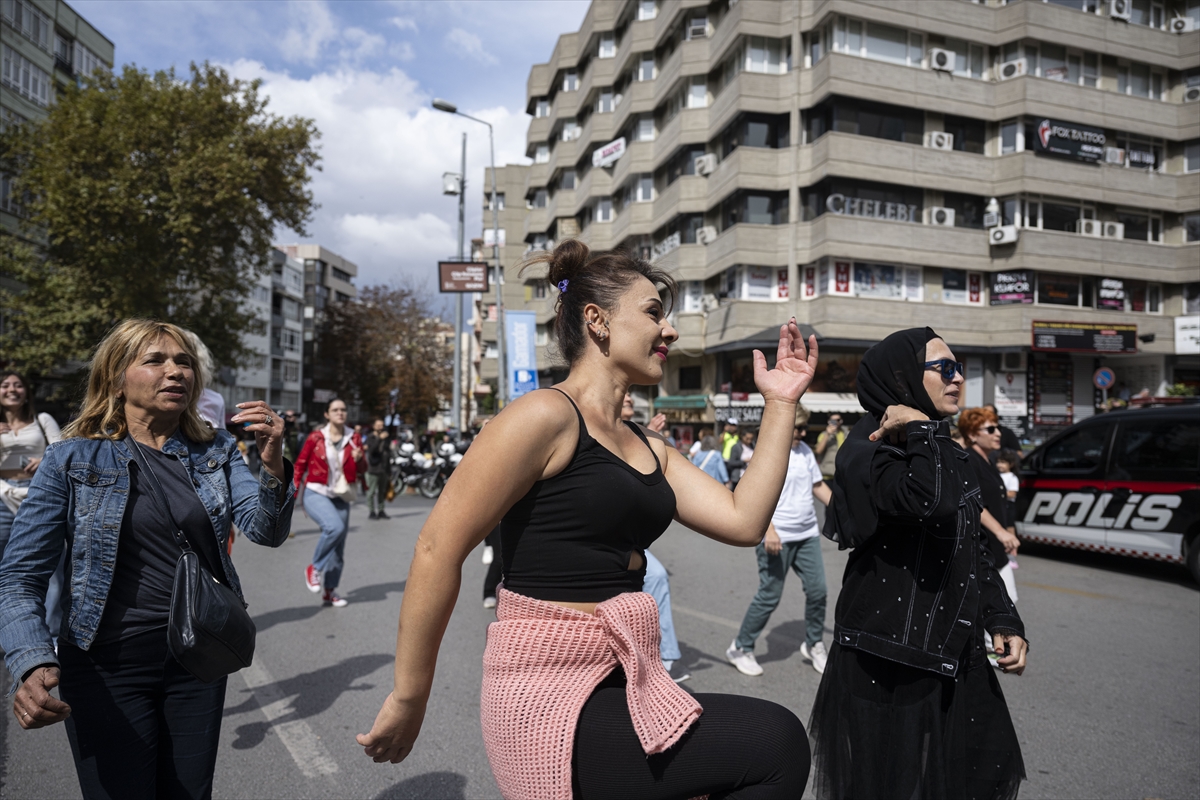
(581, 691)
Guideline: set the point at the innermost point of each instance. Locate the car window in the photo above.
(1160, 445)
(1079, 451)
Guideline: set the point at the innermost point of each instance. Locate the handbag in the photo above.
(209, 631)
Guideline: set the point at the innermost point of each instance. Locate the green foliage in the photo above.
(389, 340)
(1181, 390)
(150, 196)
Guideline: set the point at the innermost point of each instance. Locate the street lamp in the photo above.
(502, 372)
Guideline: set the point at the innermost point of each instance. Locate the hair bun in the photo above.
(567, 260)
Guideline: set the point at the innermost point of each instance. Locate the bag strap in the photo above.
(704, 463)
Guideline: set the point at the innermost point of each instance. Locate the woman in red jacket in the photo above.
(326, 471)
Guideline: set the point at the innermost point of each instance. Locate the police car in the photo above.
(1126, 482)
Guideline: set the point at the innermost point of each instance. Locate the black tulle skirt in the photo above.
(881, 729)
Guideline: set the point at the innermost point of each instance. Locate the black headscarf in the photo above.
(892, 373)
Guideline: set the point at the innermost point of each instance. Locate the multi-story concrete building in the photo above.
(1023, 176)
(328, 278)
(43, 44)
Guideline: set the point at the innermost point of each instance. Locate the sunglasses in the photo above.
(947, 367)
(989, 429)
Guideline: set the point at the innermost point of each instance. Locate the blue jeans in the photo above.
(657, 586)
(333, 516)
(53, 614)
(805, 558)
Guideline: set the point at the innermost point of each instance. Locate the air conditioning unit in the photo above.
(939, 140)
(1191, 94)
(706, 163)
(1114, 155)
(941, 60)
(1010, 69)
(1181, 25)
(991, 219)
(709, 302)
(1089, 227)
(1121, 9)
(706, 235)
(939, 216)
(1114, 230)
(1004, 234)
(1013, 362)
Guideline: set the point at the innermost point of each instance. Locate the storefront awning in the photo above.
(696, 401)
(766, 340)
(815, 402)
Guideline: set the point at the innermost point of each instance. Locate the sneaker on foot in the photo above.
(816, 654)
(382, 515)
(372, 515)
(677, 673)
(333, 598)
(489, 554)
(745, 662)
(313, 578)
(489, 602)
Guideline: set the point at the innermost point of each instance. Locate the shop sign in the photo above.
(1012, 288)
(838, 203)
(974, 287)
(961, 287)
(1084, 337)
(459, 276)
(1111, 294)
(520, 347)
(841, 277)
(1070, 140)
(1010, 399)
(609, 153)
(878, 280)
(810, 282)
(1187, 335)
(1140, 158)
(781, 280)
(668, 244)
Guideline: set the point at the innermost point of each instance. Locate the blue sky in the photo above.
(366, 72)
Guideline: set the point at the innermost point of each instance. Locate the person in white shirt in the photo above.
(793, 540)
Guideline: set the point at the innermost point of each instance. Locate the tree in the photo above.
(147, 195)
(388, 340)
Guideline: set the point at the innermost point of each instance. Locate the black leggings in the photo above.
(741, 747)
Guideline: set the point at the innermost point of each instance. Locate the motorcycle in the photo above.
(410, 468)
(447, 458)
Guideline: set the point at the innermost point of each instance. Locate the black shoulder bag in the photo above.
(209, 631)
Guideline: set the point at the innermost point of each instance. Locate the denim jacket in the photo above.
(77, 501)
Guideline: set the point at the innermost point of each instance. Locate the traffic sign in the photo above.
(1104, 378)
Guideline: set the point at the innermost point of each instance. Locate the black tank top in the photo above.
(570, 537)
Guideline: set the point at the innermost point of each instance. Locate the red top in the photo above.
(312, 459)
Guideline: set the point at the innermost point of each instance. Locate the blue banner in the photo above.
(520, 345)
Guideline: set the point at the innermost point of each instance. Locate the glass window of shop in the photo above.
(961, 287)
(863, 199)
(1065, 290)
(970, 135)
(865, 118)
(968, 209)
(755, 208)
(754, 130)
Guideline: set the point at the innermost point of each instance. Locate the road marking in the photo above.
(728, 623)
(1065, 590)
(304, 745)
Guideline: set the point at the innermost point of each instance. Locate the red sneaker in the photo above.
(312, 578)
(332, 598)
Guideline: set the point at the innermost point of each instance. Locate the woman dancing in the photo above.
(575, 700)
(908, 707)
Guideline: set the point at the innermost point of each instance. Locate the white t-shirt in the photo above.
(333, 457)
(1011, 482)
(795, 517)
(28, 442)
(695, 448)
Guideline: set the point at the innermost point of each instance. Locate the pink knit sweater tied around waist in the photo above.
(541, 664)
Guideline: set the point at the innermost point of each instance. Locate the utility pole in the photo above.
(456, 401)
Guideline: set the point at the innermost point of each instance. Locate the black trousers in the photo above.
(141, 726)
(492, 579)
(741, 747)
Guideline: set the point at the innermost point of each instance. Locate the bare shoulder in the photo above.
(541, 416)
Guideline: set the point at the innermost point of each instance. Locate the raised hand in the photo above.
(267, 426)
(795, 366)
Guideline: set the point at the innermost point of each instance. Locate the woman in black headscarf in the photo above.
(908, 706)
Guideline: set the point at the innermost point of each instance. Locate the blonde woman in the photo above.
(139, 724)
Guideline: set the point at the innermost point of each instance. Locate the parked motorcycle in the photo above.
(410, 468)
(447, 458)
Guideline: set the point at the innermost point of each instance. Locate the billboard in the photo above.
(1069, 140)
(608, 154)
(520, 346)
(1084, 337)
(1012, 288)
(462, 276)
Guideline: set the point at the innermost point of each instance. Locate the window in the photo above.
(29, 20)
(1165, 447)
(647, 9)
(683, 162)
(968, 209)
(644, 188)
(23, 77)
(877, 41)
(968, 57)
(287, 339)
(608, 45)
(970, 135)
(645, 70)
(767, 55)
(567, 179)
(262, 294)
(1140, 81)
(644, 131)
(84, 61)
(1060, 290)
(1140, 226)
(696, 27)
(1191, 156)
(1078, 451)
(962, 287)
(542, 107)
(538, 199)
(499, 201)
(1191, 227)
(541, 155)
(570, 81)
(8, 118)
(754, 130)
(570, 130)
(604, 209)
(755, 208)
(604, 101)
(1011, 138)
(697, 96)
(341, 274)
(690, 379)
(491, 350)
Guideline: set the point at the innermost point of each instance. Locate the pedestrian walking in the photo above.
(793, 541)
(136, 476)
(24, 436)
(378, 468)
(574, 701)
(709, 459)
(729, 436)
(907, 706)
(739, 457)
(325, 474)
(1008, 437)
(827, 445)
(705, 430)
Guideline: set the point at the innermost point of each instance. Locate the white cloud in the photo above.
(402, 51)
(383, 154)
(468, 44)
(313, 28)
(404, 23)
(360, 45)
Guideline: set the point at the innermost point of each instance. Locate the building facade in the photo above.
(1023, 176)
(43, 44)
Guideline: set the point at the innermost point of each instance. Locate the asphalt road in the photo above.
(1109, 707)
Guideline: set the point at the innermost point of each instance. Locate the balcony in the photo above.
(752, 91)
(634, 219)
(538, 131)
(764, 245)
(687, 195)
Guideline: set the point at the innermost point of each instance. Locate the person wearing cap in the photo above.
(730, 437)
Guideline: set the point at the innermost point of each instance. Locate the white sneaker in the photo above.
(816, 654)
(489, 602)
(745, 662)
(488, 554)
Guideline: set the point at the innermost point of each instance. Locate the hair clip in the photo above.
(562, 285)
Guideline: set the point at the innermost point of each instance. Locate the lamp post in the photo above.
(502, 371)
(461, 185)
